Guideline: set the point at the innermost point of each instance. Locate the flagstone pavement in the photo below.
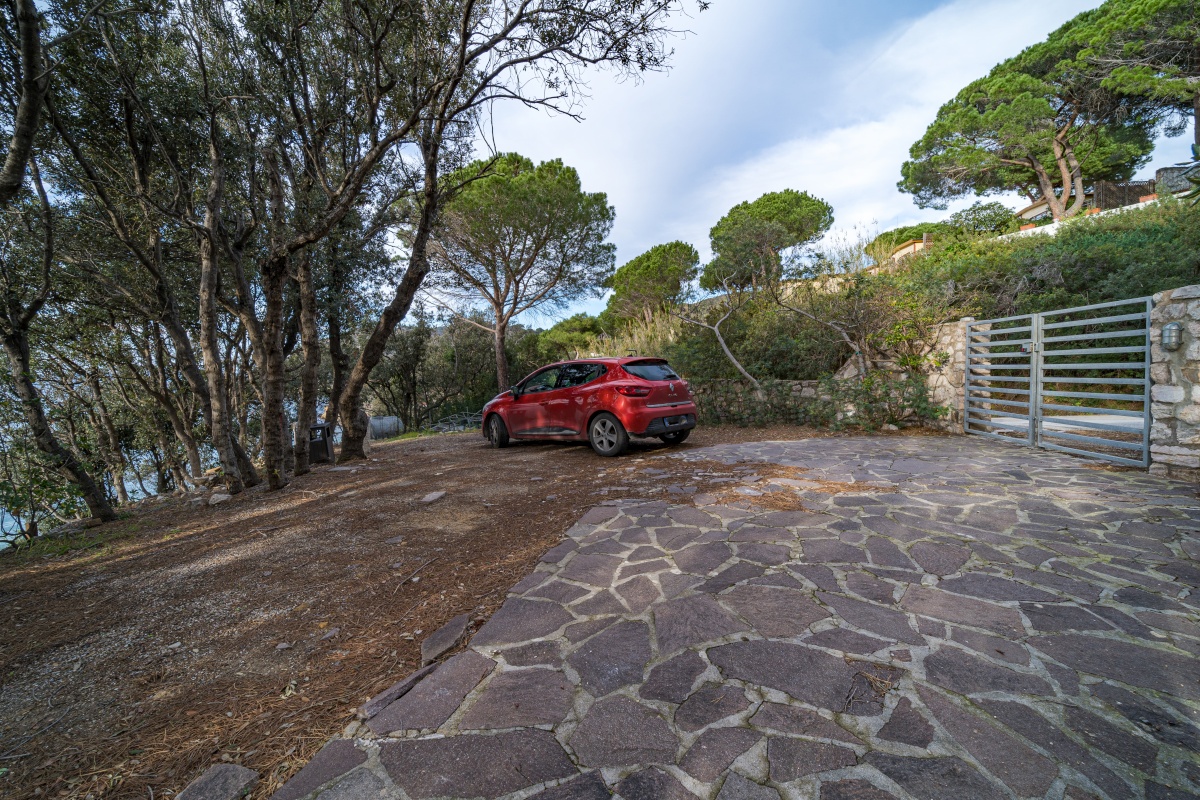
(971, 620)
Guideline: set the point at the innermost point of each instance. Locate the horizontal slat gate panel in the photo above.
(1022, 374)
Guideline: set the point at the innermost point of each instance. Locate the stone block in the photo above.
(332, 761)
(1191, 462)
(1162, 410)
(1170, 311)
(220, 782)
(1185, 293)
(475, 766)
(1167, 450)
(1166, 393)
(444, 638)
(385, 698)
(1160, 373)
(434, 699)
(1161, 433)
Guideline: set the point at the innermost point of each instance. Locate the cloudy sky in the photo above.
(764, 95)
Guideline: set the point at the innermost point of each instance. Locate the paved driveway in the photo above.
(971, 620)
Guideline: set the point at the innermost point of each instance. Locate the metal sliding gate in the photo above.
(1075, 380)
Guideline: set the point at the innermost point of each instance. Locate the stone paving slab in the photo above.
(979, 621)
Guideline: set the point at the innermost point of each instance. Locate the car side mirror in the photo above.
(516, 391)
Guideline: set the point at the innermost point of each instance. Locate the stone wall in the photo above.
(946, 382)
(1175, 386)
(735, 403)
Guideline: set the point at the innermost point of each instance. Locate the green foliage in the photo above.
(524, 236)
(980, 219)
(881, 398)
(1036, 123)
(30, 491)
(984, 218)
(651, 282)
(571, 338)
(747, 242)
(883, 244)
(1093, 259)
(1147, 48)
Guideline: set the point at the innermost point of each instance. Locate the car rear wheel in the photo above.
(607, 435)
(675, 437)
(497, 432)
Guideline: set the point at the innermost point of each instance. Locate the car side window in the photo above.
(578, 374)
(543, 381)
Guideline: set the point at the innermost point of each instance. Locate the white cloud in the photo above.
(774, 94)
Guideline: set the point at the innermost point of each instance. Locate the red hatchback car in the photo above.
(602, 400)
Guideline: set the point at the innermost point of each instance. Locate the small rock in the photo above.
(537, 479)
(332, 633)
(220, 782)
(196, 502)
(397, 565)
(551, 497)
(283, 646)
(341, 469)
(890, 427)
(395, 540)
(444, 638)
(432, 496)
(175, 645)
(219, 498)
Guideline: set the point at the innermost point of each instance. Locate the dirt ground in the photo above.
(135, 656)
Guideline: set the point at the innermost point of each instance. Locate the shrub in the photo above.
(881, 398)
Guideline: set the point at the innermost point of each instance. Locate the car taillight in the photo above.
(634, 391)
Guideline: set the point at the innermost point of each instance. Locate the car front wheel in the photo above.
(675, 437)
(497, 432)
(607, 435)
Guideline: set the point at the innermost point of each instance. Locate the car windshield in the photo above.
(651, 370)
(578, 374)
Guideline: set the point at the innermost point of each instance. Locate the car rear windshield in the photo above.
(651, 370)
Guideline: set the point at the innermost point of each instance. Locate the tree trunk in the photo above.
(1073, 182)
(337, 356)
(1196, 122)
(1047, 188)
(219, 427)
(16, 347)
(500, 331)
(758, 392)
(34, 81)
(274, 274)
(115, 455)
(310, 343)
(354, 419)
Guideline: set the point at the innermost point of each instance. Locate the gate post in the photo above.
(1035, 379)
(1175, 386)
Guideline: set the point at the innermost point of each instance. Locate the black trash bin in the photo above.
(320, 443)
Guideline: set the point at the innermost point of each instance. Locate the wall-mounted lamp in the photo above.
(1172, 336)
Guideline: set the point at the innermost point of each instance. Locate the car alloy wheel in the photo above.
(607, 435)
